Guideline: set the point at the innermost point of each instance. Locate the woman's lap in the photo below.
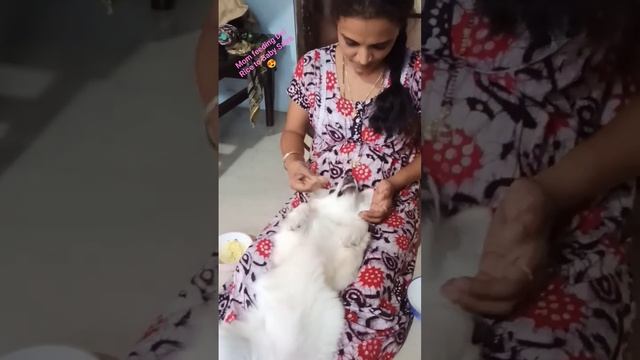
(378, 317)
(589, 319)
(586, 320)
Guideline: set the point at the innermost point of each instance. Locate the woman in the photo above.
(361, 98)
(529, 109)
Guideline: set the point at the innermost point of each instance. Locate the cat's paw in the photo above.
(297, 218)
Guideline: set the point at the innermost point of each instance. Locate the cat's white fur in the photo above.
(452, 249)
(297, 315)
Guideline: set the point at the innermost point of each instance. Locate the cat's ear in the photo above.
(364, 199)
(318, 194)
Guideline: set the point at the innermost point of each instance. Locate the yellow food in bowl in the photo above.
(231, 252)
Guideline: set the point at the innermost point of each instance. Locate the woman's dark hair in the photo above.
(611, 26)
(394, 109)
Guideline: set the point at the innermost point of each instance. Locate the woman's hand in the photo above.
(515, 254)
(301, 179)
(381, 203)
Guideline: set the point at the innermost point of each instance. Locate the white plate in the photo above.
(244, 239)
(414, 294)
(225, 271)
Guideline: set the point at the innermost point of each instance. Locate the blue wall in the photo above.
(273, 16)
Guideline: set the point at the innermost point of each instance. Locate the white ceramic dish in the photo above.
(226, 270)
(225, 238)
(414, 294)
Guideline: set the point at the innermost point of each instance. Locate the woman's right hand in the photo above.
(302, 179)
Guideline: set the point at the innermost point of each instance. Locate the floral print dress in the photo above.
(377, 314)
(516, 108)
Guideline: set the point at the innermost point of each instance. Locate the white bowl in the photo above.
(223, 239)
(414, 295)
(225, 271)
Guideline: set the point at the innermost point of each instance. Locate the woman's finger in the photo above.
(492, 289)
(366, 216)
(377, 212)
(486, 307)
(475, 295)
(300, 184)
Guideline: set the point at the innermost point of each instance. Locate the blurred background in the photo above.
(108, 187)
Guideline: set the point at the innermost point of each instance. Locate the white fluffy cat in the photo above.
(297, 315)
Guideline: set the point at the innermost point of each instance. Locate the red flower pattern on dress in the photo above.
(403, 242)
(331, 80)
(614, 247)
(455, 160)
(371, 277)
(361, 173)
(263, 248)
(347, 147)
(417, 64)
(313, 167)
(295, 202)
(405, 192)
(482, 44)
(311, 100)
(370, 349)
(557, 309)
(351, 316)
(231, 317)
(555, 123)
(590, 220)
(299, 69)
(394, 220)
(384, 333)
(505, 80)
(387, 356)
(388, 307)
(316, 55)
(369, 135)
(345, 107)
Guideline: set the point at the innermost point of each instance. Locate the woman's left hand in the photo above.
(381, 203)
(515, 254)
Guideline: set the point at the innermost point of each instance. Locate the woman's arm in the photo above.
(606, 159)
(407, 175)
(292, 147)
(292, 138)
(515, 256)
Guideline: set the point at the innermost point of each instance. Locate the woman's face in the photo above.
(365, 42)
